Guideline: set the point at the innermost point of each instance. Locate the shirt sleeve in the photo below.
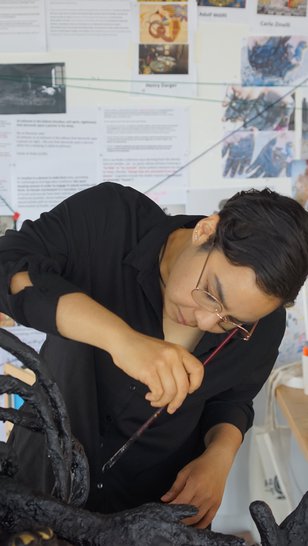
(41, 248)
(250, 362)
(66, 250)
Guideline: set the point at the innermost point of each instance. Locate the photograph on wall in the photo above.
(32, 88)
(163, 24)
(162, 1)
(6, 222)
(163, 59)
(264, 109)
(255, 154)
(165, 38)
(222, 3)
(294, 8)
(304, 147)
(274, 60)
(299, 174)
(222, 11)
(293, 341)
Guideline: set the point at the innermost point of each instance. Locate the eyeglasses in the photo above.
(206, 300)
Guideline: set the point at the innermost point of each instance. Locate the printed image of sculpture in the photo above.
(274, 60)
(249, 154)
(238, 151)
(282, 7)
(58, 519)
(273, 160)
(299, 171)
(265, 109)
(222, 3)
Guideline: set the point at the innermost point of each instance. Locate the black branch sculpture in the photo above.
(59, 519)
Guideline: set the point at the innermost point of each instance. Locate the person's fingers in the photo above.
(176, 488)
(182, 379)
(171, 376)
(205, 515)
(193, 520)
(195, 371)
(169, 386)
(182, 383)
(169, 389)
(156, 389)
(204, 521)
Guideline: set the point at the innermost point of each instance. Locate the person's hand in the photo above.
(169, 370)
(201, 483)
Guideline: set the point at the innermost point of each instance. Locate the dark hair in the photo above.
(268, 232)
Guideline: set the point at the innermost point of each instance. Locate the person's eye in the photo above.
(240, 323)
(232, 319)
(208, 289)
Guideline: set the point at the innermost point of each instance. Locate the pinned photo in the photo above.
(162, 1)
(265, 109)
(282, 7)
(163, 24)
(299, 173)
(304, 151)
(222, 3)
(274, 60)
(254, 154)
(6, 222)
(163, 59)
(32, 88)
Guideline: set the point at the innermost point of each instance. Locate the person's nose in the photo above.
(206, 320)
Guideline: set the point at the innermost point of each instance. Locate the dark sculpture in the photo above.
(57, 519)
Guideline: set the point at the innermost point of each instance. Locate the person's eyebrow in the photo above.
(221, 297)
(220, 293)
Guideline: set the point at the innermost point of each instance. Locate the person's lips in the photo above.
(185, 322)
(181, 319)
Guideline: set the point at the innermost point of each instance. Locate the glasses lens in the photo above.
(228, 325)
(206, 300)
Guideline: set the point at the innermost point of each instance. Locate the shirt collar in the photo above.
(144, 256)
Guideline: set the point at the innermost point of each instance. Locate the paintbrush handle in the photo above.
(153, 417)
(132, 439)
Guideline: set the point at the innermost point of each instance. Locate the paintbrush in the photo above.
(109, 464)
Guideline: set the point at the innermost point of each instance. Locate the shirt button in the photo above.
(132, 387)
(43, 290)
(99, 485)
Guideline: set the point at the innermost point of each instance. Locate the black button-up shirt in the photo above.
(105, 242)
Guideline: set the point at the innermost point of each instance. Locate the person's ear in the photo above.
(205, 229)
